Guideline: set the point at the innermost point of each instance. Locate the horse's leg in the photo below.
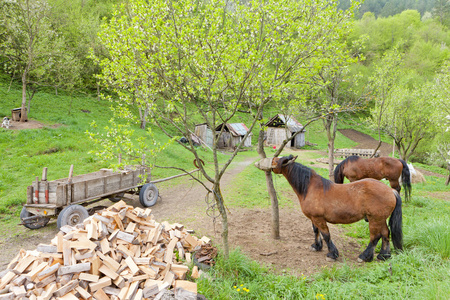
(317, 246)
(375, 235)
(385, 251)
(333, 252)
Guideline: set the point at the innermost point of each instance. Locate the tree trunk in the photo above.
(330, 123)
(223, 213)
(271, 190)
(23, 109)
(448, 177)
(274, 203)
(98, 91)
(143, 116)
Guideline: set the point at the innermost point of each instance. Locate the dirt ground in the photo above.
(30, 124)
(249, 229)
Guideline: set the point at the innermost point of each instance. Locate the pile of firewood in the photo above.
(118, 253)
(206, 255)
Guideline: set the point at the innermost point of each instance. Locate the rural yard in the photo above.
(249, 229)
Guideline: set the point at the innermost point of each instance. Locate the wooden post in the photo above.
(44, 173)
(44, 179)
(70, 174)
(36, 191)
(120, 158)
(69, 187)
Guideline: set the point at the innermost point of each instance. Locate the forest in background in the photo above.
(413, 35)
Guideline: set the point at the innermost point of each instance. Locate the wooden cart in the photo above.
(66, 198)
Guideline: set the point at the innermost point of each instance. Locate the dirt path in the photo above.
(365, 141)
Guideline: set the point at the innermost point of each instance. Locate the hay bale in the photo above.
(416, 176)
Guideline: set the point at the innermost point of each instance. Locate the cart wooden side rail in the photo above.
(66, 198)
(51, 195)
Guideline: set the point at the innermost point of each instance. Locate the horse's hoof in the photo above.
(311, 248)
(360, 260)
(383, 257)
(331, 259)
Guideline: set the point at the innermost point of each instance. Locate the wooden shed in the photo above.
(280, 127)
(232, 135)
(203, 132)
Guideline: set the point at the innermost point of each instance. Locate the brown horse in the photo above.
(323, 201)
(356, 168)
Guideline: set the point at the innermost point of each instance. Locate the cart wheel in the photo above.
(148, 195)
(35, 223)
(116, 197)
(72, 215)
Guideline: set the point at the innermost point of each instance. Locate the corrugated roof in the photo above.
(236, 129)
(292, 124)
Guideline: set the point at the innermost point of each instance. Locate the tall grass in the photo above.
(405, 276)
(432, 234)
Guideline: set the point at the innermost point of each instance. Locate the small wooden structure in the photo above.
(232, 135)
(203, 132)
(281, 127)
(358, 152)
(16, 114)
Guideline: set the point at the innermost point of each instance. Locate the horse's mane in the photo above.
(299, 177)
(339, 172)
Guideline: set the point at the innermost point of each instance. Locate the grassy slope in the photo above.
(421, 272)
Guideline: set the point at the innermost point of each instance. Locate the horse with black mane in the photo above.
(323, 201)
(356, 168)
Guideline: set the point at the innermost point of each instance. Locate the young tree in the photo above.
(191, 58)
(30, 42)
(386, 73)
(440, 92)
(410, 117)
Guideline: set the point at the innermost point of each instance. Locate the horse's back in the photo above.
(373, 191)
(362, 168)
(390, 167)
(351, 202)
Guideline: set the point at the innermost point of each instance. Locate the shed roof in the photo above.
(282, 120)
(236, 129)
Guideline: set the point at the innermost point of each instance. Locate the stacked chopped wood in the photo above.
(118, 253)
(206, 254)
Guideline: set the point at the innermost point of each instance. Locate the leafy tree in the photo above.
(31, 45)
(381, 84)
(213, 59)
(409, 118)
(79, 22)
(440, 92)
(442, 11)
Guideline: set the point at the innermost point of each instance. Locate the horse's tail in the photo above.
(339, 172)
(395, 223)
(406, 180)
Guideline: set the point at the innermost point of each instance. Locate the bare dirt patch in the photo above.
(30, 124)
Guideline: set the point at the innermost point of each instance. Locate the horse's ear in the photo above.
(290, 159)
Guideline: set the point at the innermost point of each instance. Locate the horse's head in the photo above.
(274, 164)
(278, 163)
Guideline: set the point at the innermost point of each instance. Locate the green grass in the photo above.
(405, 276)
(434, 169)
